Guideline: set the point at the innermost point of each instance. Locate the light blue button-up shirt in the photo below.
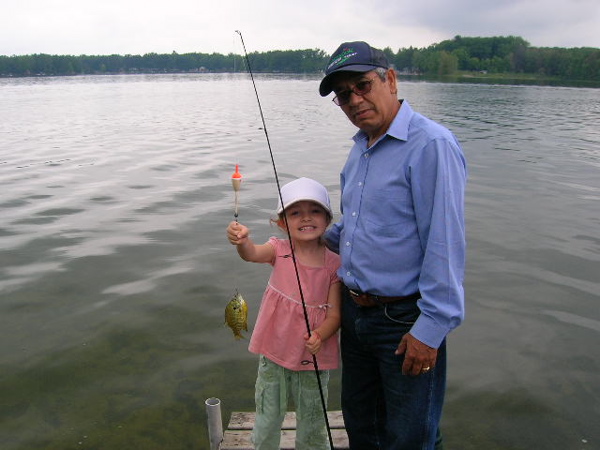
(402, 228)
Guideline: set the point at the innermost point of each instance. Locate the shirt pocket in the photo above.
(388, 212)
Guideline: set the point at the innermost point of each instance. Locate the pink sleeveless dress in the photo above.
(280, 326)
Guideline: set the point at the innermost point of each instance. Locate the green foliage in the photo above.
(494, 55)
(291, 61)
(499, 55)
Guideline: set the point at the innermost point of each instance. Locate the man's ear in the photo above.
(391, 78)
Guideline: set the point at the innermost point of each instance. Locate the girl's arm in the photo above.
(331, 323)
(238, 235)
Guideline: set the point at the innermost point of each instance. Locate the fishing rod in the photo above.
(314, 357)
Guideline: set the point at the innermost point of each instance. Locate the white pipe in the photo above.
(215, 424)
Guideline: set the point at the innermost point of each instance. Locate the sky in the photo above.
(103, 27)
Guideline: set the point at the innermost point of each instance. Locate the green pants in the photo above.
(275, 385)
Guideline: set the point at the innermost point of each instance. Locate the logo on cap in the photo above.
(344, 56)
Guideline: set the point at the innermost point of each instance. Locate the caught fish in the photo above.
(236, 315)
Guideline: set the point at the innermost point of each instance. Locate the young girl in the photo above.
(280, 336)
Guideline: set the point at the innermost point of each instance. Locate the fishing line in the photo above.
(314, 357)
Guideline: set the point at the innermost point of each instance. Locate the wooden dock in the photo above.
(239, 431)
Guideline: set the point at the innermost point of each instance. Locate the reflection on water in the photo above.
(574, 319)
(115, 270)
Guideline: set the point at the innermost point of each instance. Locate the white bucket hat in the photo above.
(304, 189)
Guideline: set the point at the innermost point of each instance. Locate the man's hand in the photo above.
(418, 357)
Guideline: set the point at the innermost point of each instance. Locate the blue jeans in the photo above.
(383, 409)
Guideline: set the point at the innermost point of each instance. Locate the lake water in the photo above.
(114, 268)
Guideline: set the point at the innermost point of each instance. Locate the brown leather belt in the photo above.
(369, 300)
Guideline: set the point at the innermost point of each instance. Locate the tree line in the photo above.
(290, 61)
(493, 55)
(499, 55)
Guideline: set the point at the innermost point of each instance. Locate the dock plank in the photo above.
(245, 420)
(239, 431)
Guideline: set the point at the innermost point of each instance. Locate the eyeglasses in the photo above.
(361, 88)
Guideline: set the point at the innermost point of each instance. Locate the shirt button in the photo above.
(347, 244)
(360, 183)
(353, 213)
(348, 273)
(366, 155)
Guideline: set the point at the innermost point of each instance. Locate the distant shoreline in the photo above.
(505, 78)
(461, 77)
(499, 59)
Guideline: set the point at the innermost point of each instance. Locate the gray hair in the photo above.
(382, 73)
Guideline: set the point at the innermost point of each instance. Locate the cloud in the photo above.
(544, 23)
(143, 26)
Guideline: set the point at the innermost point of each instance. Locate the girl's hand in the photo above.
(237, 233)
(313, 343)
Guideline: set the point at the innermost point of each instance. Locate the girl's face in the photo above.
(307, 220)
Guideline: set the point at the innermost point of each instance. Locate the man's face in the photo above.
(373, 111)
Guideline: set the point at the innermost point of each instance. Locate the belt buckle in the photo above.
(363, 299)
(357, 296)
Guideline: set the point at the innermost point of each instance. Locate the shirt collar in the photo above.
(399, 127)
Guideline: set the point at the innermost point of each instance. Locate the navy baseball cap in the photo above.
(355, 56)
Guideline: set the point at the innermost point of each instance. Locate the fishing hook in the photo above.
(314, 357)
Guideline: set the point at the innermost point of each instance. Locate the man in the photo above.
(402, 244)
